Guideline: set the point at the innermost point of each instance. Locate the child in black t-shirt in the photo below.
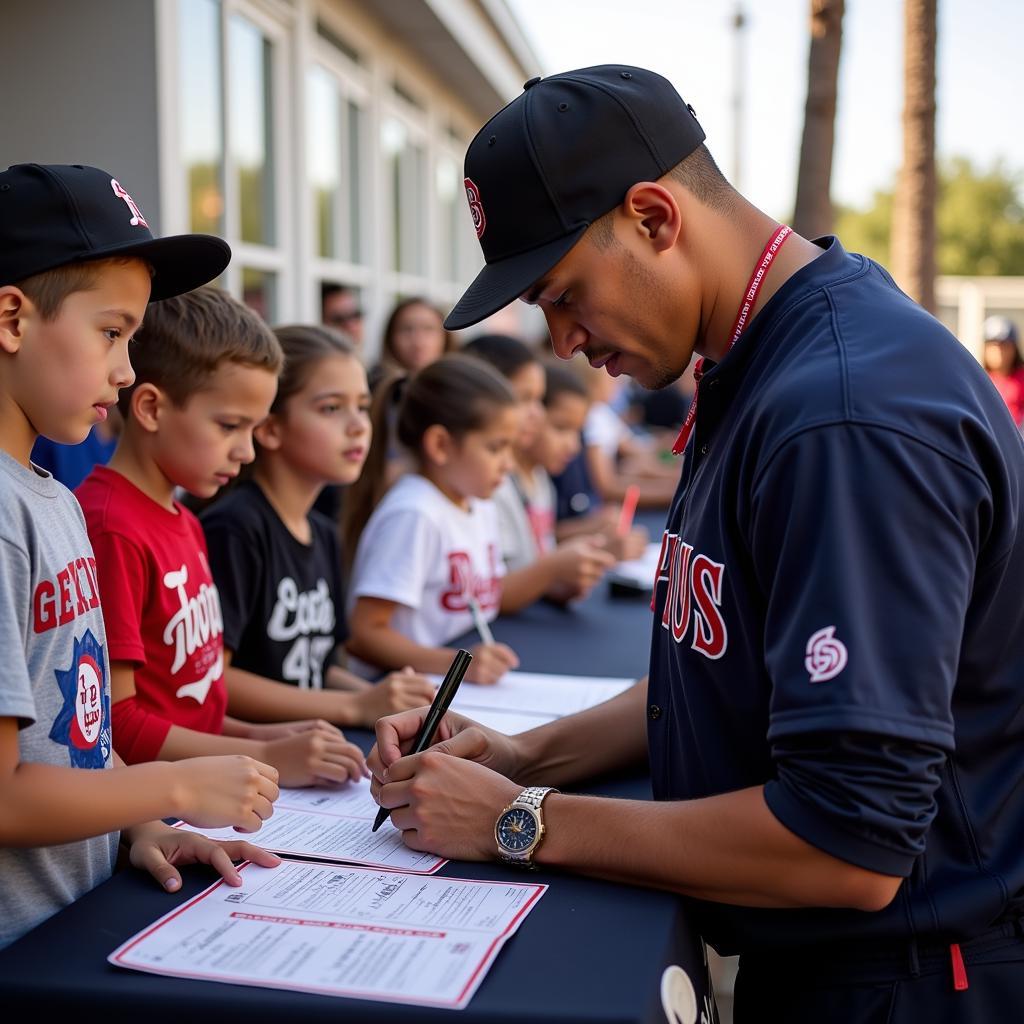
(276, 561)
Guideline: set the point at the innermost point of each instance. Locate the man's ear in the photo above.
(14, 305)
(654, 211)
(146, 406)
(437, 444)
(269, 433)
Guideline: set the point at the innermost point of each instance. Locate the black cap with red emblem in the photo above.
(52, 215)
(557, 158)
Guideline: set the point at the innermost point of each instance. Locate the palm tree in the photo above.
(913, 222)
(813, 213)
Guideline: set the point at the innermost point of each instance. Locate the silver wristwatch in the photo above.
(519, 829)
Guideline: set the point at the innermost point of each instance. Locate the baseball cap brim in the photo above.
(180, 262)
(503, 281)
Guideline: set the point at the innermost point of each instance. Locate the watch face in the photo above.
(517, 830)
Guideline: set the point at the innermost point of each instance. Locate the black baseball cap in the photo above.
(55, 214)
(557, 158)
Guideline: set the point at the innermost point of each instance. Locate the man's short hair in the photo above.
(186, 338)
(698, 174)
(49, 288)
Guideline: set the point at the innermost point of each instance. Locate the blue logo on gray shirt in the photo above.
(83, 723)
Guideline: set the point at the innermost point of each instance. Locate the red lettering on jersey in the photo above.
(460, 582)
(669, 547)
(56, 602)
(693, 597)
(64, 585)
(679, 588)
(463, 582)
(44, 607)
(81, 606)
(90, 569)
(661, 572)
(709, 633)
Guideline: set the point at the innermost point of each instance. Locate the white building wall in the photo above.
(175, 98)
(337, 50)
(79, 88)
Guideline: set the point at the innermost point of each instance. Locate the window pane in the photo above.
(406, 164)
(324, 136)
(448, 195)
(251, 129)
(394, 138)
(355, 183)
(202, 127)
(414, 208)
(259, 292)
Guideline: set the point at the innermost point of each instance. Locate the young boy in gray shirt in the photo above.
(78, 265)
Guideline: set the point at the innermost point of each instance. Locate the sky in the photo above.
(979, 70)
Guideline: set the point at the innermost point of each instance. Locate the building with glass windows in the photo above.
(322, 138)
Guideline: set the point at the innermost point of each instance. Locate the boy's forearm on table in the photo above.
(524, 586)
(181, 743)
(255, 699)
(42, 805)
(391, 650)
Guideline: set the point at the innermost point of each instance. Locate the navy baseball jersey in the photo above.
(839, 612)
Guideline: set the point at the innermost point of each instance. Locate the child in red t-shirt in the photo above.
(206, 374)
(1004, 364)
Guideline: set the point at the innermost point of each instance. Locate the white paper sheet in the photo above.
(338, 930)
(638, 572)
(511, 723)
(534, 694)
(333, 824)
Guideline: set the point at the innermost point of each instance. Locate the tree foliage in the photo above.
(979, 221)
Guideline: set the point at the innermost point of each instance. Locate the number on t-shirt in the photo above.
(304, 663)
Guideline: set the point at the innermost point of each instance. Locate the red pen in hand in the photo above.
(629, 503)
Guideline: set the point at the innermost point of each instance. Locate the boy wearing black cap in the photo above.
(835, 709)
(78, 265)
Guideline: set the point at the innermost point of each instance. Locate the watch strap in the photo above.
(533, 796)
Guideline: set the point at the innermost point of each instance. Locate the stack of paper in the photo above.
(638, 572)
(335, 824)
(524, 700)
(381, 930)
(340, 931)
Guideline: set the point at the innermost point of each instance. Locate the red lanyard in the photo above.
(775, 243)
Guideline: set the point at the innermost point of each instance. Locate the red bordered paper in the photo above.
(338, 930)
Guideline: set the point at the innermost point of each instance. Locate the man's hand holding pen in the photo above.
(447, 798)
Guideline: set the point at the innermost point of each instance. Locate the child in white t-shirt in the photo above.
(432, 543)
(537, 566)
(616, 458)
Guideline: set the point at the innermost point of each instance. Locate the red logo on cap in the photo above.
(476, 208)
(137, 218)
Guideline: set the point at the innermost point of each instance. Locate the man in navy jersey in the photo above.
(835, 713)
